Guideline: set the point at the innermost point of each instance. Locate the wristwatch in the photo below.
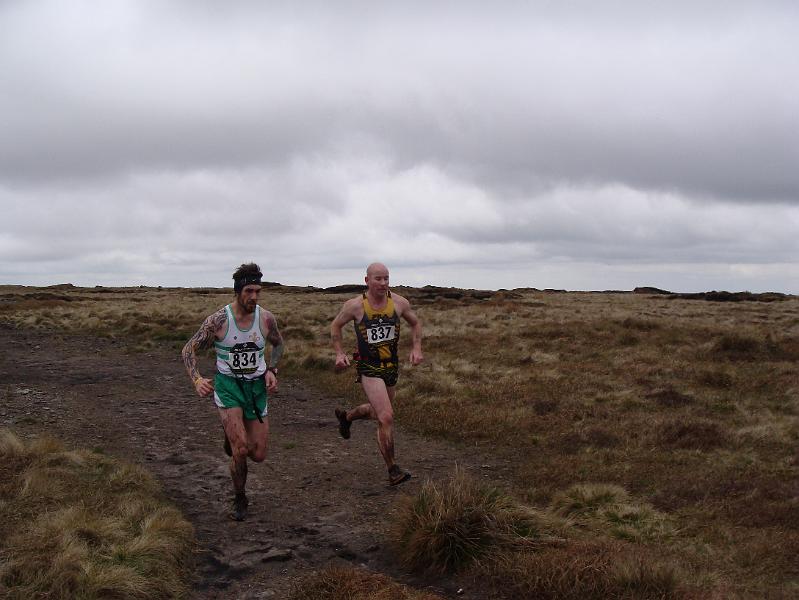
(272, 370)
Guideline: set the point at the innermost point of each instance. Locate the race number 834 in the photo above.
(380, 333)
(243, 360)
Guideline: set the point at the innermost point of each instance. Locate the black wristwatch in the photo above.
(272, 370)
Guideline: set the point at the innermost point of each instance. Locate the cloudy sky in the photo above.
(577, 145)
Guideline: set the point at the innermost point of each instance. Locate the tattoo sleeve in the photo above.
(201, 340)
(275, 339)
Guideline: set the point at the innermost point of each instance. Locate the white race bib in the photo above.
(380, 333)
(243, 359)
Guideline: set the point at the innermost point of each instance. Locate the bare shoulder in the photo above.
(217, 322)
(352, 306)
(269, 327)
(268, 319)
(348, 312)
(401, 303)
(213, 327)
(402, 307)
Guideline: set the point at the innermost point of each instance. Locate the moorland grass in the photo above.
(445, 527)
(78, 525)
(690, 406)
(349, 583)
(508, 550)
(581, 570)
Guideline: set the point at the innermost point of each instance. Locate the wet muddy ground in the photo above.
(317, 500)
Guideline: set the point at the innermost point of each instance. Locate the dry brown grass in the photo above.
(447, 526)
(691, 406)
(75, 524)
(347, 583)
(581, 570)
(509, 550)
(609, 510)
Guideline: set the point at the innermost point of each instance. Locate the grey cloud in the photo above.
(471, 138)
(510, 99)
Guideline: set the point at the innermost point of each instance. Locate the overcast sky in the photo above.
(577, 145)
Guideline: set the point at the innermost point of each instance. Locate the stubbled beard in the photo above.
(249, 308)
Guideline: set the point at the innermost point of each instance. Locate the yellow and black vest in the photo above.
(378, 334)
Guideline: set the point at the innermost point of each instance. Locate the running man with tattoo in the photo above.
(239, 332)
(376, 315)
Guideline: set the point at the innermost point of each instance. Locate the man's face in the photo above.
(377, 282)
(248, 297)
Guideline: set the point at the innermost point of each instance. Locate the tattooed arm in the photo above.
(204, 338)
(273, 337)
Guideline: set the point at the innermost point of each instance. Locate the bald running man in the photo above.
(376, 315)
(239, 333)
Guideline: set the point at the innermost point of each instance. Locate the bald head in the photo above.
(375, 268)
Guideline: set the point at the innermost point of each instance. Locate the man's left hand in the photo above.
(271, 381)
(416, 357)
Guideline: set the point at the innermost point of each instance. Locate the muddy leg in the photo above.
(380, 400)
(233, 422)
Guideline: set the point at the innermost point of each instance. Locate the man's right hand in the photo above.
(203, 386)
(342, 361)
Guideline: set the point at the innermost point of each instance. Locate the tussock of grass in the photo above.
(743, 347)
(639, 324)
(735, 346)
(609, 510)
(544, 406)
(715, 378)
(692, 434)
(671, 398)
(11, 446)
(347, 583)
(447, 526)
(75, 524)
(513, 551)
(580, 570)
(585, 499)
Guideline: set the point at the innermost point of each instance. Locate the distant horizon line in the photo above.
(352, 287)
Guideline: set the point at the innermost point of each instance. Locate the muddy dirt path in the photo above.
(317, 500)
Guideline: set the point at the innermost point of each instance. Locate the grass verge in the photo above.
(509, 550)
(347, 583)
(75, 524)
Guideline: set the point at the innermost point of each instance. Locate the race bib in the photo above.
(380, 333)
(244, 358)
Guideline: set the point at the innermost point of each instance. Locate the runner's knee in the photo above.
(257, 452)
(386, 418)
(240, 451)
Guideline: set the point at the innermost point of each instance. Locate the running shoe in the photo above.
(343, 424)
(396, 475)
(240, 504)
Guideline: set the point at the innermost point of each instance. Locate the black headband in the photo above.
(245, 280)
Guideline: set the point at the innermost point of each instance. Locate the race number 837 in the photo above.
(380, 333)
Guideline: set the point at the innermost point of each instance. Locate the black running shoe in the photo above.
(343, 424)
(240, 504)
(397, 475)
